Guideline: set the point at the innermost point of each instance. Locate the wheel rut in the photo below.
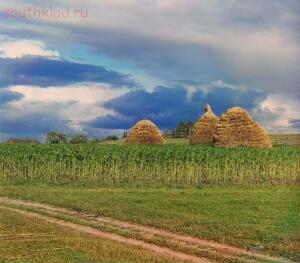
(199, 250)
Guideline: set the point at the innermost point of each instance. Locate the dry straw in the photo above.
(237, 128)
(145, 132)
(203, 129)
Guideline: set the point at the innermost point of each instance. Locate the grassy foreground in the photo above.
(27, 240)
(261, 218)
(181, 165)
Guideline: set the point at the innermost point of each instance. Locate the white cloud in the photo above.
(81, 102)
(21, 48)
(278, 111)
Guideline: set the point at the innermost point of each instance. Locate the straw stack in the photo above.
(203, 129)
(237, 128)
(144, 132)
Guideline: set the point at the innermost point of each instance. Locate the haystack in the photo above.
(145, 132)
(237, 128)
(203, 129)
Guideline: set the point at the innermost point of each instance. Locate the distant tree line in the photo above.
(61, 138)
(55, 137)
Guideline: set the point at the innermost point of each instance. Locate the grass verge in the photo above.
(265, 219)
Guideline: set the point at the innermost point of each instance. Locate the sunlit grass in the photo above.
(258, 217)
(26, 239)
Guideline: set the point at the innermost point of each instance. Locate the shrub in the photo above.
(54, 137)
(79, 139)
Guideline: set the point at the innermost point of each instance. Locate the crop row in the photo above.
(180, 165)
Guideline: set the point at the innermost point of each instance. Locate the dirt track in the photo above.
(183, 242)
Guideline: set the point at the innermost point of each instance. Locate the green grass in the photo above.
(26, 239)
(173, 164)
(177, 141)
(116, 142)
(261, 218)
(168, 141)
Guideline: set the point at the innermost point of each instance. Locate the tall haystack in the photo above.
(145, 132)
(203, 129)
(237, 128)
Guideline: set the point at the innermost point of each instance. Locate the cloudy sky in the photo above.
(99, 66)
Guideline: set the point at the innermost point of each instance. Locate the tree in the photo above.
(184, 128)
(54, 137)
(79, 139)
(189, 126)
(181, 127)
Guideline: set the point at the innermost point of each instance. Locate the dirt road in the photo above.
(173, 245)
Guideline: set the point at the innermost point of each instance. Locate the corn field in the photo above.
(177, 165)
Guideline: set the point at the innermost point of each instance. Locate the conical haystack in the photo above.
(237, 128)
(203, 129)
(145, 132)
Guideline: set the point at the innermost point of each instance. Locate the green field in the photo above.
(174, 165)
(259, 218)
(245, 197)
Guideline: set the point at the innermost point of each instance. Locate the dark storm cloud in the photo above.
(36, 120)
(295, 123)
(168, 106)
(46, 72)
(224, 97)
(33, 125)
(112, 122)
(8, 96)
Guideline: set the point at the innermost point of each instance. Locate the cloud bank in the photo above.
(168, 106)
(44, 72)
(158, 59)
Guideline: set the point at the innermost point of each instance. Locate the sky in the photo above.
(97, 67)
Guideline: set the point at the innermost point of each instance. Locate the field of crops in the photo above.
(181, 165)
